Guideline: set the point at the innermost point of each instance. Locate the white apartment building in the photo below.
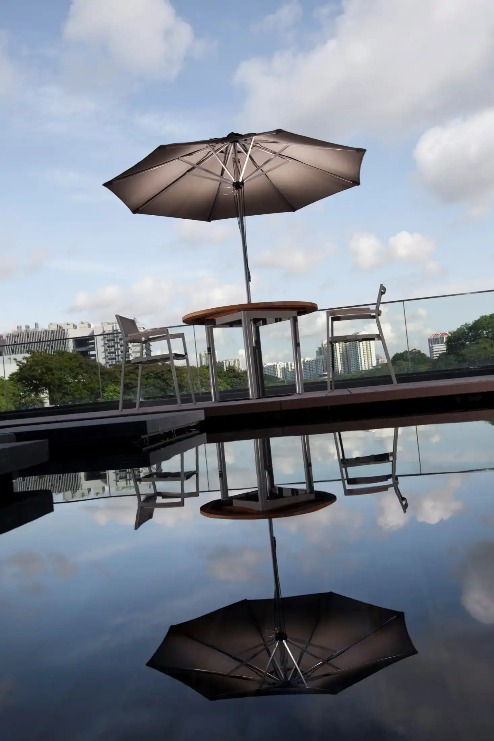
(102, 342)
(281, 370)
(351, 357)
(229, 363)
(437, 344)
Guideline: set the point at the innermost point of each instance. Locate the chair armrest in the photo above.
(157, 333)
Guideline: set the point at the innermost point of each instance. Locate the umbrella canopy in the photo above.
(324, 643)
(236, 176)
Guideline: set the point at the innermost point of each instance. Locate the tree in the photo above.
(411, 360)
(65, 377)
(473, 342)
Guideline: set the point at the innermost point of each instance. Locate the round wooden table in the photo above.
(250, 317)
(205, 316)
(222, 509)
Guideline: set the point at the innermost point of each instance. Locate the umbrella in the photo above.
(237, 176)
(312, 643)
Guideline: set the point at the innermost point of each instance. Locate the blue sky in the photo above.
(89, 87)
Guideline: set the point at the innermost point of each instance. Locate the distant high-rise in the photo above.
(351, 357)
(437, 344)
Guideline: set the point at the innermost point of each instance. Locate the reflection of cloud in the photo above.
(478, 583)
(439, 504)
(122, 511)
(237, 564)
(26, 568)
(390, 515)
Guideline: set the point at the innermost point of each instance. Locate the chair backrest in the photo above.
(382, 291)
(127, 326)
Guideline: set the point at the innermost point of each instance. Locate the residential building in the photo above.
(350, 357)
(437, 344)
(229, 363)
(102, 342)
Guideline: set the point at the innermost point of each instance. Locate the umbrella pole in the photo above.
(240, 209)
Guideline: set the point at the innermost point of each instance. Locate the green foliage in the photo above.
(411, 360)
(64, 377)
(473, 342)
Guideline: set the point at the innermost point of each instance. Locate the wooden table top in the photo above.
(206, 315)
(223, 509)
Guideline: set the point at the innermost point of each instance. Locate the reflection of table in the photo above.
(250, 317)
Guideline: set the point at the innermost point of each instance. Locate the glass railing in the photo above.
(89, 371)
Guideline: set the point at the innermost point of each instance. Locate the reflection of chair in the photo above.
(148, 502)
(354, 485)
(133, 335)
(349, 314)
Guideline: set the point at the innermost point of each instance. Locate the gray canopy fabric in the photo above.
(328, 643)
(237, 176)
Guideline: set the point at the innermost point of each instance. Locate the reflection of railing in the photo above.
(407, 323)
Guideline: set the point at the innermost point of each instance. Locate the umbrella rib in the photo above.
(227, 152)
(355, 643)
(282, 197)
(226, 653)
(305, 648)
(174, 182)
(306, 164)
(339, 670)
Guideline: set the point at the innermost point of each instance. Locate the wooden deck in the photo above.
(315, 407)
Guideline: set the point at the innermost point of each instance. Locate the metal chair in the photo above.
(148, 502)
(348, 314)
(133, 335)
(355, 485)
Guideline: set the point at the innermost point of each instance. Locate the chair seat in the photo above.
(368, 480)
(367, 490)
(354, 315)
(365, 460)
(161, 505)
(158, 358)
(354, 338)
(167, 476)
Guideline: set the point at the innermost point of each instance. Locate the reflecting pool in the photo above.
(238, 609)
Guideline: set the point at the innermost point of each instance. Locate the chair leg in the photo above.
(333, 370)
(386, 352)
(139, 379)
(122, 377)
(173, 370)
(328, 355)
(189, 373)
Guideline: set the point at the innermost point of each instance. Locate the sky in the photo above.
(90, 87)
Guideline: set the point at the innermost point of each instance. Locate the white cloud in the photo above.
(369, 251)
(454, 161)
(151, 297)
(8, 266)
(290, 260)
(410, 247)
(199, 233)
(238, 564)
(478, 583)
(381, 65)
(144, 38)
(289, 257)
(282, 19)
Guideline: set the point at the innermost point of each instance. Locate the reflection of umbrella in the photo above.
(237, 176)
(319, 643)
